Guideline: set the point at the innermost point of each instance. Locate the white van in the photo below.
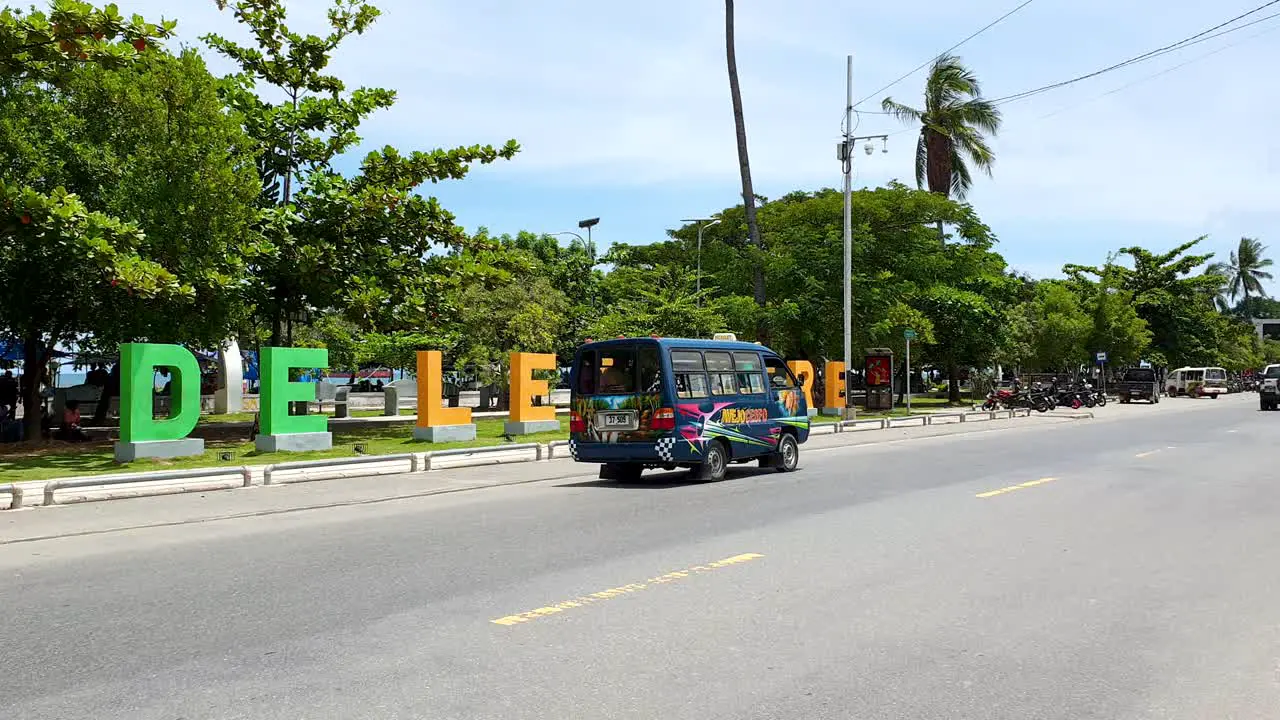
(1197, 382)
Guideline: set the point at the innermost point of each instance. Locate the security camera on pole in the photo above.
(844, 153)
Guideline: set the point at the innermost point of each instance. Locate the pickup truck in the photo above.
(1268, 392)
(1138, 384)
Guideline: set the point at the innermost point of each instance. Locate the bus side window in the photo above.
(690, 376)
(723, 379)
(749, 377)
(649, 367)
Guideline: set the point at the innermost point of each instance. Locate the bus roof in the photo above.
(690, 343)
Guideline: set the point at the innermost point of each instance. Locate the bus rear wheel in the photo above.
(714, 462)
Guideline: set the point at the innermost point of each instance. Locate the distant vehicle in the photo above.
(1268, 390)
(640, 403)
(1197, 382)
(1138, 384)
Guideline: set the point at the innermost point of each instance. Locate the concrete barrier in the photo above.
(15, 495)
(53, 486)
(268, 473)
(537, 448)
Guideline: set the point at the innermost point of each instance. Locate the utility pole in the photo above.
(845, 154)
(847, 159)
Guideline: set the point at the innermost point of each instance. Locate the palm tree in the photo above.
(1244, 273)
(744, 165)
(953, 128)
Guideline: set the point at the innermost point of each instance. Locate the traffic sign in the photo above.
(909, 334)
(1102, 357)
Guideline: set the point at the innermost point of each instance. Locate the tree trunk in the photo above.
(953, 382)
(744, 168)
(34, 358)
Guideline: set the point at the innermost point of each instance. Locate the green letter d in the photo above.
(137, 385)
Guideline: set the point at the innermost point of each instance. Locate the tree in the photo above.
(1059, 328)
(1176, 302)
(1116, 328)
(50, 243)
(953, 128)
(744, 164)
(509, 317)
(150, 143)
(360, 244)
(1244, 273)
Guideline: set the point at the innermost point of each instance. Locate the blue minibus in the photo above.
(668, 402)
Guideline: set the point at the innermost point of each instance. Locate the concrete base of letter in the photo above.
(130, 451)
(445, 433)
(832, 412)
(813, 412)
(294, 442)
(530, 427)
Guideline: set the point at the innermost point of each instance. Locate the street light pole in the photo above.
(588, 224)
(703, 223)
(845, 154)
(847, 158)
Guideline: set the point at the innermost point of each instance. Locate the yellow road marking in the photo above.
(1148, 453)
(1011, 488)
(622, 590)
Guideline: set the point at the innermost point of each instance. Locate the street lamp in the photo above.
(703, 223)
(588, 224)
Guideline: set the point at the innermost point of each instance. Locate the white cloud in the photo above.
(636, 94)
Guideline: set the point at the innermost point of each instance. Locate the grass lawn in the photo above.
(57, 460)
(248, 416)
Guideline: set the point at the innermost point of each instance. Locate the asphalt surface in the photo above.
(1095, 569)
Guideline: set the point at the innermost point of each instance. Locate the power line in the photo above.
(924, 64)
(1166, 71)
(1185, 42)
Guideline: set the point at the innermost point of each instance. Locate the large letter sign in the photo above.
(525, 418)
(834, 402)
(803, 370)
(435, 422)
(140, 434)
(280, 430)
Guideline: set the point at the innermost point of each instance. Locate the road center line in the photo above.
(1148, 453)
(615, 592)
(1011, 488)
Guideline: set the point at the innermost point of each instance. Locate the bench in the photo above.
(398, 393)
(327, 392)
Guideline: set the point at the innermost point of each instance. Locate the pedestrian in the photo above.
(9, 392)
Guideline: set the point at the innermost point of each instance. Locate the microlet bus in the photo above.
(641, 403)
(1197, 382)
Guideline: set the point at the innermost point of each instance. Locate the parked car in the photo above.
(1138, 384)
(1269, 389)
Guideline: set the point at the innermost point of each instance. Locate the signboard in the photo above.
(1102, 357)
(909, 334)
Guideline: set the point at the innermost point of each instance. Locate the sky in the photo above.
(623, 110)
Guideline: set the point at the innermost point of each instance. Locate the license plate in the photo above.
(618, 420)
(1135, 392)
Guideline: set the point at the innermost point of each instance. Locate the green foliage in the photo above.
(1175, 301)
(526, 316)
(362, 244)
(1244, 273)
(1055, 329)
(149, 143)
(47, 45)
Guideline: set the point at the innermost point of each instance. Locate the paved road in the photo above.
(1077, 570)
